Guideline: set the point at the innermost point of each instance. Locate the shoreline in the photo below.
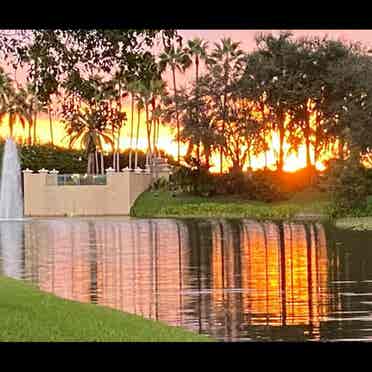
(28, 314)
(311, 207)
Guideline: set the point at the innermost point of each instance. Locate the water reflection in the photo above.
(235, 280)
(11, 243)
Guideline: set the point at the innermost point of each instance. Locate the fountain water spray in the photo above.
(11, 201)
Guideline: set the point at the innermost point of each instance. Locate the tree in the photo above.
(199, 126)
(269, 79)
(177, 59)
(197, 49)
(225, 64)
(89, 120)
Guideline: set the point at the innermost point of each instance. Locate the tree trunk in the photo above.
(96, 160)
(89, 164)
(281, 143)
(35, 119)
(131, 132)
(118, 150)
(154, 137)
(137, 137)
(224, 115)
(307, 139)
(249, 156)
(102, 164)
(113, 147)
(265, 152)
(148, 135)
(29, 139)
(223, 130)
(50, 126)
(90, 168)
(197, 112)
(341, 144)
(157, 136)
(177, 117)
(10, 126)
(207, 157)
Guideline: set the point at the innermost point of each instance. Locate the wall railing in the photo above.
(76, 180)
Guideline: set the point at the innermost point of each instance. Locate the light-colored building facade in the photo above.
(45, 193)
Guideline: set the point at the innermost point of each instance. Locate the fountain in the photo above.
(11, 201)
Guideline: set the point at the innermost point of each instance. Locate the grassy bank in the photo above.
(355, 223)
(165, 204)
(26, 314)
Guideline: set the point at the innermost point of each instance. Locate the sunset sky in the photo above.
(246, 37)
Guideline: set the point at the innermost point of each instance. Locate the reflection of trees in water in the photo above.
(274, 271)
(226, 278)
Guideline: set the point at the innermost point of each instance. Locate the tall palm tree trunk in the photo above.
(281, 130)
(113, 147)
(197, 110)
(177, 116)
(10, 118)
(102, 164)
(96, 161)
(118, 150)
(35, 119)
(157, 136)
(50, 125)
(137, 137)
(131, 131)
(307, 139)
(154, 133)
(223, 131)
(148, 128)
(29, 138)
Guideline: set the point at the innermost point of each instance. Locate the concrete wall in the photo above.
(42, 198)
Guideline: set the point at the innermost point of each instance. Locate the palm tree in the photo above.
(16, 112)
(177, 59)
(26, 108)
(89, 125)
(6, 94)
(157, 87)
(197, 48)
(10, 103)
(228, 56)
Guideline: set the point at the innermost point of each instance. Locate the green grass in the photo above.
(163, 204)
(27, 314)
(355, 223)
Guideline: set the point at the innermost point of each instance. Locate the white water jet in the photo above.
(11, 200)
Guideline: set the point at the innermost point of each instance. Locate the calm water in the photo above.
(237, 281)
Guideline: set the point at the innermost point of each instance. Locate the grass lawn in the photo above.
(27, 314)
(355, 223)
(163, 204)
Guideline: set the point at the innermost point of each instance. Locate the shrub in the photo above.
(348, 184)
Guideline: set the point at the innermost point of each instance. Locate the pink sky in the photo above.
(247, 36)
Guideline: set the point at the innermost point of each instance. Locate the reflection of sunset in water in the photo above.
(216, 277)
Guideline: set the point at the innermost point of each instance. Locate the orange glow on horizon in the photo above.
(293, 161)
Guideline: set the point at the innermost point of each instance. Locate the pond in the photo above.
(238, 280)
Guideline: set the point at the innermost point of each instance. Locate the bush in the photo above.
(348, 184)
(259, 185)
